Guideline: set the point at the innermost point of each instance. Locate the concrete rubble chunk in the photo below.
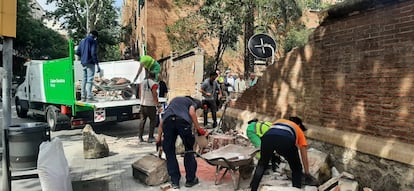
(342, 182)
(151, 170)
(310, 188)
(319, 165)
(94, 145)
(179, 146)
(348, 185)
(278, 188)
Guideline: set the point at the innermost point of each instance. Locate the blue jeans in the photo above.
(88, 74)
(172, 127)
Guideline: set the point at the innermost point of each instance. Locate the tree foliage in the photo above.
(186, 33)
(224, 21)
(33, 39)
(79, 16)
(297, 37)
(277, 18)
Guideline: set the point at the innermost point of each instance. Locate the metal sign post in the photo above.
(258, 45)
(7, 64)
(8, 19)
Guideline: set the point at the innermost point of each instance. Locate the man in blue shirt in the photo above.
(178, 119)
(87, 53)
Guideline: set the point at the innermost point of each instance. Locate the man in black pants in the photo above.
(284, 137)
(178, 119)
(209, 89)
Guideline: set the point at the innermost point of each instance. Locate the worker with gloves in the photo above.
(178, 119)
(284, 137)
(255, 130)
(150, 65)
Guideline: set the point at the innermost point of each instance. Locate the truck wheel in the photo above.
(127, 93)
(21, 112)
(51, 118)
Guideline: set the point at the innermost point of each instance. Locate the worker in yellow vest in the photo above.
(284, 137)
(255, 130)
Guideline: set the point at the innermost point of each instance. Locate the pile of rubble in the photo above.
(327, 177)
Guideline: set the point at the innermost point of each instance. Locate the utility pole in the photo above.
(8, 19)
(248, 33)
(7, 65)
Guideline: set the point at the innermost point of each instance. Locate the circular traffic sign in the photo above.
(262, 45)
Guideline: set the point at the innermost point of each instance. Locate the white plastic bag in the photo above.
(53, 167)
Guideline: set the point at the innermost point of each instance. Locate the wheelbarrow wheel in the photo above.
(127, 93)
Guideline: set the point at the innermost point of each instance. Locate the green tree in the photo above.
(277, 18)
(186, 33)
(297, 37)
(34, 39)
(224, 21)
(81, 16)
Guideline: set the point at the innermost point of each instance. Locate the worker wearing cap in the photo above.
(284, 137)
(255, 131)
(150, 65)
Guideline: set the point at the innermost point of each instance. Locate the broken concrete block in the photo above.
(278, 188)
(94, 146)
(310, 188)
(342, 182)
(165, 187)
(348, 185)
(219, 141)
(150, 170)
(319, 165)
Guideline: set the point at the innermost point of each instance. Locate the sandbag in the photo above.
(53, 167)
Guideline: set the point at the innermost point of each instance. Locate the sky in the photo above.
(51, 7)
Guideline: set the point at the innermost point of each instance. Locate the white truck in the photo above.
(49, 90)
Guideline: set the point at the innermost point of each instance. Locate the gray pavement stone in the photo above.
(112, 173)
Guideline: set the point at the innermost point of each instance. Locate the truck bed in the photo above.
(110, 103)
(114, 103)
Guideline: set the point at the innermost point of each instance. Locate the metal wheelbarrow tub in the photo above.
(230, 157)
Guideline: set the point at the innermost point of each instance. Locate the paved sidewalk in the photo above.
(114, 173)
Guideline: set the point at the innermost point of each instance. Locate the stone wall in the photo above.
(377, 163)
(370, 171)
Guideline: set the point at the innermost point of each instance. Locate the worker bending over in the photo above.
(284, 137)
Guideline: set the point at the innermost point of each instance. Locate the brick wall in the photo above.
(356, 74)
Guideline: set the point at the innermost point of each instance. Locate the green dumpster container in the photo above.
(24, 141)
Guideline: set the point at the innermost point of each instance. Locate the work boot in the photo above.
(151, 140)
(91, 100)
(192, 183)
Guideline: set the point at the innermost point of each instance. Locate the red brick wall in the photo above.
(356, 74)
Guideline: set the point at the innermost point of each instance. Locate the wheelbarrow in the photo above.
(230, 157)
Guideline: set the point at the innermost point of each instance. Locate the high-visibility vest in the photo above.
(220, 79)
(262, 127)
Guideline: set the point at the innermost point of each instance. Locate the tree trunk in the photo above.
(248, 33)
